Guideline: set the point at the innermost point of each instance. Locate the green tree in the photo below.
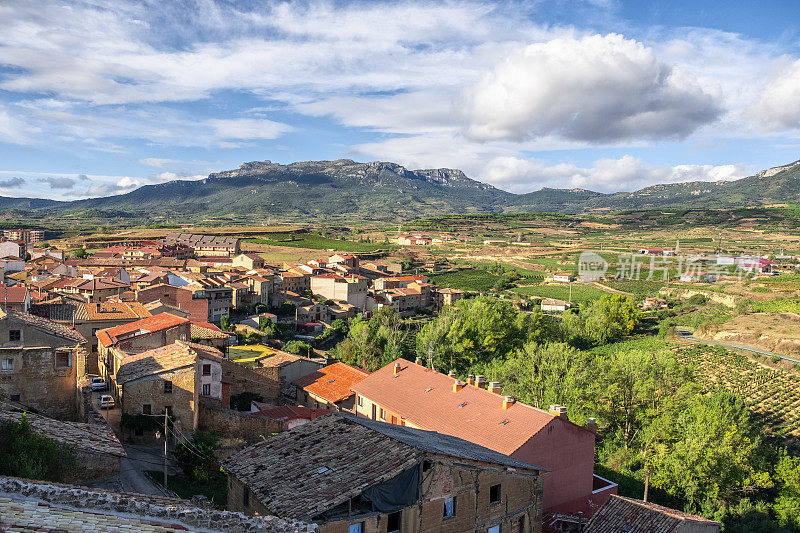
(371, 344)
(299, 348)
(26, 454)
(610, 318)
(225, 324)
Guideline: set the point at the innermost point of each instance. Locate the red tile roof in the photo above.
(112, 311)
(426, 398)
(333, 382)
(159, 322)
(13, 295)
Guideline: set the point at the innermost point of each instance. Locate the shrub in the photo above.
(698, 299)
(26, 454)
(241, 401)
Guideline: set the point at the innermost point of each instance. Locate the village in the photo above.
(131, 353)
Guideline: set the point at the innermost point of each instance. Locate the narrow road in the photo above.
(687, 335)
(142, 458)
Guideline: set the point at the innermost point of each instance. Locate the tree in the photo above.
(711, 455)
(610, 318)
(80, 253)
(299, 348)
(26, 454)
(371, 344)
(225, 324)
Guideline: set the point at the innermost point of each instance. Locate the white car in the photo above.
(99, 384)
(106, 402)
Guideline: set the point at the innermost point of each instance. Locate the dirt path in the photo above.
(687, 335)
(606, 288)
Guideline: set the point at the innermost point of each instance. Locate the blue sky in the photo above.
(98, 97)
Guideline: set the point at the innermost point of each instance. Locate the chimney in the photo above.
(494, 387)
(470, 380)
(452, 373)
(458, 385)
(558, 410)
(480, 381)
(418, 360)
(396, 368)
(591, 425)
(508, 401)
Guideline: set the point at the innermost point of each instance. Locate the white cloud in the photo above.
(627, 173)
(778, 107)
(595, 89)
(247, 128)
(158, 162)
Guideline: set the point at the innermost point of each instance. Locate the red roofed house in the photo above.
(89, 318)
(134, 337)
(330, 387)
(410, 394)
(17, 298)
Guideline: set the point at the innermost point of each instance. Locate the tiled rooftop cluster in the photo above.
(635, 516)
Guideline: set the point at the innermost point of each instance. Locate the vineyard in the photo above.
(773, 393)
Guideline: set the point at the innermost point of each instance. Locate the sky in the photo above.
(101, 97)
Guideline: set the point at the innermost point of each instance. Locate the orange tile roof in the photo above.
(158, 322)
(426, 398)
(173, 356)
(112, 311)
(333, 382)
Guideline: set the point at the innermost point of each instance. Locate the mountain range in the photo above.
(387, 191)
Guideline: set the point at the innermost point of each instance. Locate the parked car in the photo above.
(99, 384)
(106, 401)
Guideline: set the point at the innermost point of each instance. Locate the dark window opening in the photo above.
(147, 409)
(207, 389)
(206, 370)
(246, 497)
(14, 397)
(394, 521)
(494, 494)
(62, 360)
(374, 411)
(167, 387)
(14, 335)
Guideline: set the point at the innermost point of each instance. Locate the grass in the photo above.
(778, 305)
(580, 293)
(639, 288)
(318, 242)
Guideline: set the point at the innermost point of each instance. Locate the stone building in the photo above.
(398, 479)
(135, 337)
(40, 361)
(177, 377)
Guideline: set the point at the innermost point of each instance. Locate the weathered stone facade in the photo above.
(39, 366)
(248, 427)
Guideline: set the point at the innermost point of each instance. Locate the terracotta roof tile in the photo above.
(45, 325)
(285, 413)
(96, 438)
(301, 473)
(332, 382)
(426, 398)
(635, 516)
(150, 324)
(111, 311)
(164, 359)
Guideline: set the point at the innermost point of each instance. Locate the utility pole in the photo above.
(166, 438)
(570, 291)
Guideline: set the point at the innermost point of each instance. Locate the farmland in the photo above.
(316, 241)
(580, 292)
(774, 393)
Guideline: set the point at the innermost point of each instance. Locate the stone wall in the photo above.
(237, 424)
(243, 379)
(170, 510)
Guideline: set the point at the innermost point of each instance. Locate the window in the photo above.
(167, 387)
(147, 409)
(493, 529)
(14, 397)
(8, 365)
(356, 528)
(206, 370)
(494, 494)
(14, 335)
(207, 389)
(374, 411)
(63, 359)
(360, 403)
(383, 414)
(449, 508)
(246, 497)
(394, 522)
